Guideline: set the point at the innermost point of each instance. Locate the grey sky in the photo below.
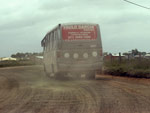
(23, 23)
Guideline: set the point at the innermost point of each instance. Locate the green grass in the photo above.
(15, 63)
(132, 68)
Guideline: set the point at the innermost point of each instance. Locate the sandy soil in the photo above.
(27, 90)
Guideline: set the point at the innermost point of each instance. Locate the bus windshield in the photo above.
(79, 32)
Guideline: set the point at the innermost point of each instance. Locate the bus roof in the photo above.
(78, 23)
(70, 23)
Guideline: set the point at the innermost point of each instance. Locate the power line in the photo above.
(136, 4)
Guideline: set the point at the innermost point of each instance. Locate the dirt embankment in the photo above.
(27, 90)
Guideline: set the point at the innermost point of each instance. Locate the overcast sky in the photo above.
(23, 23)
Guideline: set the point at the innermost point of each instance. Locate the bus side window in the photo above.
(58, 34)
(48, 42)
(44, 47)
(56, 38)
(54, 46)
(52, 39)
(44, 44)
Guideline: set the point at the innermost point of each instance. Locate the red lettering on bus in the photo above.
(79, 32)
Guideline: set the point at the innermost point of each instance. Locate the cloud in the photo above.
(24, 23)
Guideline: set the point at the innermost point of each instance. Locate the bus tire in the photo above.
(46, 73)
(91, 75)
(60, 75)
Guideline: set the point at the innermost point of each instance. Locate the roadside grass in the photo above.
(139, 68)
(15, 63)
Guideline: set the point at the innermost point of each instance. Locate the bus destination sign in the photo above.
(79, 32)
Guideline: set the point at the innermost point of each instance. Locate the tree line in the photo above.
(26, 55)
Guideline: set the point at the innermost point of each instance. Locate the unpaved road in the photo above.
(27, 90)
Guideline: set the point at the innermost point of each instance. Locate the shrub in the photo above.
(132, 68)
(15, 63)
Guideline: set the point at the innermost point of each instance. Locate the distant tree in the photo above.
(143, 53)
(135, 52)
(26, 55)
(13, 56)
(105, 53)
(126, 53)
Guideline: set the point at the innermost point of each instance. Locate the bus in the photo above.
(73, 48)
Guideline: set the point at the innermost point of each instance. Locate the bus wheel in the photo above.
(46, 73)
(83, 75)
(52, 75)
(60, 75)
(91, 75)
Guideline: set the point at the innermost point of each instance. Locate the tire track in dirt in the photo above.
(138, 94)
(8, 91)
(27, 90)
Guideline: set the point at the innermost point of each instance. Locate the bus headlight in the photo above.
(94, 54)
(75, 55)
(85, 55)
(66, 55)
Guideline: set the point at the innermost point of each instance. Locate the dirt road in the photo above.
(27, 90)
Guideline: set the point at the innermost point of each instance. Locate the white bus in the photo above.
(73, 48)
